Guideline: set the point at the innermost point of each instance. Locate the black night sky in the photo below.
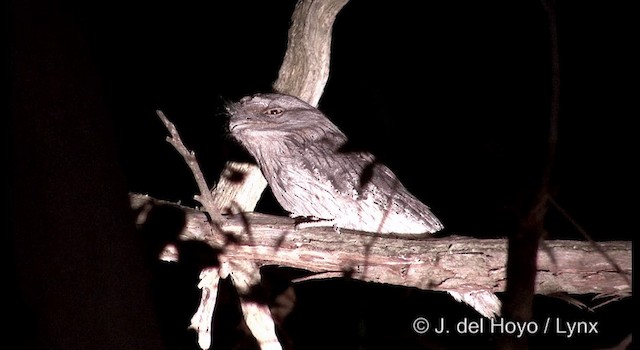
(453, 96)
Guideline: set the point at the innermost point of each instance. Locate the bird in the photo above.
(303, 157)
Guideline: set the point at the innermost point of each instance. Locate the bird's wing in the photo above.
(354, 188)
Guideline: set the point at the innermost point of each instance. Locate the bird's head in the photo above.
(272, 117)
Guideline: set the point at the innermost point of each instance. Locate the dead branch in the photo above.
(305, 69)
(205, 198)
(244, 273)
(239, 188)
(459, 264)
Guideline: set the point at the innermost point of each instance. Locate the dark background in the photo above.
(453, 96)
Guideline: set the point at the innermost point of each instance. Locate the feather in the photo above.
(299, 151)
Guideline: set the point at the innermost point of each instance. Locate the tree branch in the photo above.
(305, 68)
(205, 198)
(459, 264)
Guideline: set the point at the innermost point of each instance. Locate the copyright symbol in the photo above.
(420, 325)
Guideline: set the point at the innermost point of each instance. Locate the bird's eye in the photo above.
(274, 112)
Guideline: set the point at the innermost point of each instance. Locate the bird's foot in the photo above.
(312, 221)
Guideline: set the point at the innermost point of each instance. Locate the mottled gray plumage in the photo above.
(299, 152)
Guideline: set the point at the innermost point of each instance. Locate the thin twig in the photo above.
(205, 198)
(593, 243)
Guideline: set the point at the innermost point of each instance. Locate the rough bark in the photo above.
(239, 188)
(455, 263)
(305, 69)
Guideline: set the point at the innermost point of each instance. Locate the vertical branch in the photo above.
(305, 69)
(239, 188)
(523, 246)
(304, 73)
